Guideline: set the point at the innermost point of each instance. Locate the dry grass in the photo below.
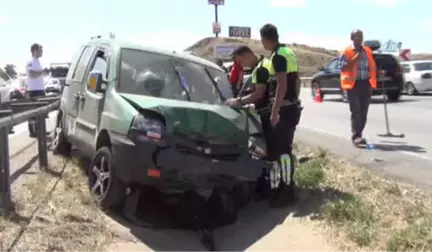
(310, 58)
(54, 212)
(373, 213)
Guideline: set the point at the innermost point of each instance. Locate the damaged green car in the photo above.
(152, 118)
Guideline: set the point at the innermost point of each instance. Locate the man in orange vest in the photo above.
(358, 78)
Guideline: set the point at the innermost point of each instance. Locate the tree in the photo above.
(10, 70)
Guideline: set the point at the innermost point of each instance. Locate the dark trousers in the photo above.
(279, 139)
(234, 90)
(32, 122)
(359, 99)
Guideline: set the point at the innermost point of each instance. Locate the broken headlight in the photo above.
(149, 127)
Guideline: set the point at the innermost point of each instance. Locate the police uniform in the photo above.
(280, 137)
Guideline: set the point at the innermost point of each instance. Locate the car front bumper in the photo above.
(135, 161)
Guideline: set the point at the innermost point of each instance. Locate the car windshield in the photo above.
(158, 75)
(423, 66)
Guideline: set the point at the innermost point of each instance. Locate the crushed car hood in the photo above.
(211, 123)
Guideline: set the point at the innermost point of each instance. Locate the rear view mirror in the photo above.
(96, 83)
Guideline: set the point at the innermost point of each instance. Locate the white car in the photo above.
(5, 85)
(418, 76)
(52, 85)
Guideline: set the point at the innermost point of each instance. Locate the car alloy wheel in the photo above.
(100, 177)
(107, 190)
(410, 89)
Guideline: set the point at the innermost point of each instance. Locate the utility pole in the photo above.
(216, 24)
(216, 19)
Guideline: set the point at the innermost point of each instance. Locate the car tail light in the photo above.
(426, 76)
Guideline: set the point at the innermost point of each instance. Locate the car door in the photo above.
(331, 77)
(72, 93)
(91, 103)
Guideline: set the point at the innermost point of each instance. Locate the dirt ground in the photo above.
(341, 207)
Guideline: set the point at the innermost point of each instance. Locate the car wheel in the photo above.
(108, 191)
(315, 86)
(393, 95)
(344, 95)
(60, 144)
(410, 89)
(242, 194)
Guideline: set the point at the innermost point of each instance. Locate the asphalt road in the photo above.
(327, 124)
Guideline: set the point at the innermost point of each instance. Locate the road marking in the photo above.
(428, 158)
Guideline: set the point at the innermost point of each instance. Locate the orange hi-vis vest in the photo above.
(348, 77)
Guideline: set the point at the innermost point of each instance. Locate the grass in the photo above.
(355, 216)
(55, 213)
(416, 237)
(365, 210)
(310, 174)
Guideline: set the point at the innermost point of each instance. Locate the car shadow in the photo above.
(155, 224)
(253, 223)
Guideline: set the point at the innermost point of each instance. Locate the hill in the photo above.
(310, 58)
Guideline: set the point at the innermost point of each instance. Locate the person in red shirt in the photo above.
(236, 77)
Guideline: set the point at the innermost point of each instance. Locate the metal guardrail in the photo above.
(11, 114)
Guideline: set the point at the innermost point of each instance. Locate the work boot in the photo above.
(283, 196)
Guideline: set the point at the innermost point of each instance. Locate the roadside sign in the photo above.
(216, 28)
(216, 2)
(405, 53)
(224, 51)
(239, 31)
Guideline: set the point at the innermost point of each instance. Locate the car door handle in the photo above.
(77, 96)
(82, 98)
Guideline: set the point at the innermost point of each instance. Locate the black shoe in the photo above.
(283, 196)
(358, 141)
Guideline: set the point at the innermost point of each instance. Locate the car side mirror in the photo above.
(96, 83)
(322, 69)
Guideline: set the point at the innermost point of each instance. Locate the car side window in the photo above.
(333, 65)
(82, 64)
(100, 63)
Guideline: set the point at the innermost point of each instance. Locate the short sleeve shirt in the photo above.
(34, 83)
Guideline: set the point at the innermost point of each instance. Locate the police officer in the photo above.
(260, 97)
(260, 80)
(285, 112)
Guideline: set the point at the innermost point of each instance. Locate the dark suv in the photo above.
(390, 78)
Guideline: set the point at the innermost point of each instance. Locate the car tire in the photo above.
(60, 144)
(393, 95)
(314, 87)
(107, 190)
(410, 89)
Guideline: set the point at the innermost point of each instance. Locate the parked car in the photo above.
(390, 78)
(59, 71)
(147, 117)
(5, 82)
(418, 76)
(18, 89)
(53, 85)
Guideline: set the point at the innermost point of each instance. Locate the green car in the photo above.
(152, 118)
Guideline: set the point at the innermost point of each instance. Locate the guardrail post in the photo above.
(5, 188)
(42, 141)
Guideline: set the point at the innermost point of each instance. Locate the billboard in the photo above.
(224, 51)
(239, 31)
(216, 2)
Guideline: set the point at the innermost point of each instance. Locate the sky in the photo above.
(61, 26)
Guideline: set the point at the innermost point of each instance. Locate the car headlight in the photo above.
(149, 127)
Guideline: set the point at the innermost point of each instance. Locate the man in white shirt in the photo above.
(35, 82)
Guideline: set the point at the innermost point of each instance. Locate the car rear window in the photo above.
(423, 66)
(387, 62)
